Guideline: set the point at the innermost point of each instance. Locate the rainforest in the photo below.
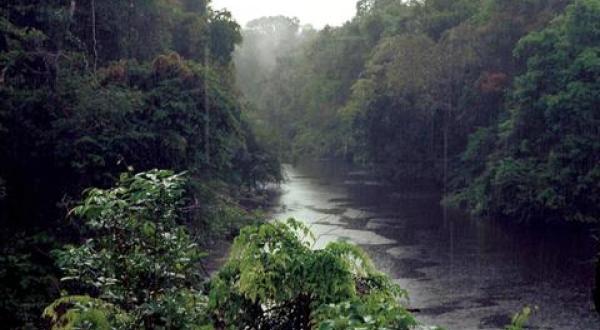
(427, 164)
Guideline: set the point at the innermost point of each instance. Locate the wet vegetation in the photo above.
(135, 135)
(495, 100)
(93, 89)
(139, 268)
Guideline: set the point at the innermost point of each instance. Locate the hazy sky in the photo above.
(315, 12)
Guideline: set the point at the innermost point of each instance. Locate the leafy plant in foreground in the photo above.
(274, 280)
(139, 267)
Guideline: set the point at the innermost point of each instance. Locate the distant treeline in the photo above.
(497, 100)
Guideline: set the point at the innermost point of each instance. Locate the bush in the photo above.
(274, 280)
(139, 267)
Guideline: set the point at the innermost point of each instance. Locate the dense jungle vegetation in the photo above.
(93, 89)
(133, 136)
(496, 100)
(102, 94)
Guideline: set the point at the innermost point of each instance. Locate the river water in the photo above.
(461, 273)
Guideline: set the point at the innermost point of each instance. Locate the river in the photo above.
(461, 273)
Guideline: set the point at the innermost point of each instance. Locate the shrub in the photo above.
(274, 280)
(138, 267)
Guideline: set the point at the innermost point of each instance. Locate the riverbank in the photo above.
(461, 273)
(263, 202)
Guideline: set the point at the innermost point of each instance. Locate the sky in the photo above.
(316, 12)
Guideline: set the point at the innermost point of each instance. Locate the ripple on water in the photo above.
(461, 274)
(403, 252)
(340, 200)
(363, 183)
(379, 224)
(328, 233)
(330, 211)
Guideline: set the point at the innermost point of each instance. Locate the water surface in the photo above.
(461, 273)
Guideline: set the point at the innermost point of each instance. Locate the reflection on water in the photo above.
(461, 273)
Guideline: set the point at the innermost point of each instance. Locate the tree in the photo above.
(224, 34)
(393, 114)
(547, 154)
(90, 89)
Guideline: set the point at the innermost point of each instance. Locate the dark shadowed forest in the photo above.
(143, 143)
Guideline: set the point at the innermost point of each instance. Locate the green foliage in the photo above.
(138, 262)
(393, 115)
(224, 34)
(89, 107)
(269, 44)
(26, 278)
(401, 86)
(520, 319)
(369, 312)
(138, 268)
(145, 29)
(91, 89)
(145, 119)
(438, 16)
(432, 89)
(274, 279)
(219, 215)
(83, 312)
(545, 164)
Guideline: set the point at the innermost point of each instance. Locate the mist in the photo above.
(266, 42)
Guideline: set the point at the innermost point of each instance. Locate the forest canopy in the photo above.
(93, 89)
